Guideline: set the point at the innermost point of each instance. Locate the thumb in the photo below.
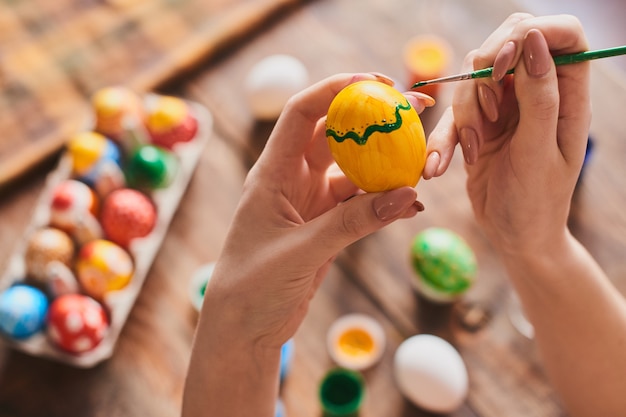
(360, 216)
(536, 89)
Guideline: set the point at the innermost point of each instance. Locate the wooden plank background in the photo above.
(373, 276)
(145, 376)
(55, 54)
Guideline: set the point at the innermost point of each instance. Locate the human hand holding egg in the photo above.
(293, 195)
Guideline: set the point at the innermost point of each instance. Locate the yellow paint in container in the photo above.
(356, 341)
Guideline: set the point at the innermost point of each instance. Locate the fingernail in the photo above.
(393, 204)
(537, 56)
(488, 102)
(469, 140)
(503, 61)
(415, 103)
(413, 209)
(432, 165)
(383, 78)
(427, 100)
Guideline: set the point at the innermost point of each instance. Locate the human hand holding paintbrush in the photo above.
(558, 60)
(524, 139)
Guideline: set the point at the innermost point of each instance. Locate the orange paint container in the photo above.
(427, 57)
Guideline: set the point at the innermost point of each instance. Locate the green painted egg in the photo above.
(151, 167)
(444, 264)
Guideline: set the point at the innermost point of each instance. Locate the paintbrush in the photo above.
(558, 60)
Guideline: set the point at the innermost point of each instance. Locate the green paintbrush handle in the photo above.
(589, 55)
(566, 59)
(558, 60)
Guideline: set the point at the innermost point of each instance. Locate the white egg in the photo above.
(430, 372)
(271, 82)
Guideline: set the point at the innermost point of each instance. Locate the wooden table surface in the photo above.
(145, 376)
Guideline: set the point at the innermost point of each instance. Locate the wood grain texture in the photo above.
(373, 276)
(54, 57)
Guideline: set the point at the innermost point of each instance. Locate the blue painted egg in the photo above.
(22, 311)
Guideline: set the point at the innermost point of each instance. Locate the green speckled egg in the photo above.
(444, 263)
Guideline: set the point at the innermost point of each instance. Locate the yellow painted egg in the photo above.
(376, 137)
(103, 266)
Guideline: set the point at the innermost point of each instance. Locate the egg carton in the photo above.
(143, 250)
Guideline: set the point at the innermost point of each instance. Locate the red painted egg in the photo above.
(127, 214)
(76, 323)
(73, 209)
(169, 121)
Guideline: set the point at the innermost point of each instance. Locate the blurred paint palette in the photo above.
(110, 259)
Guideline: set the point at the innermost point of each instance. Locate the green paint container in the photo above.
(341, 393)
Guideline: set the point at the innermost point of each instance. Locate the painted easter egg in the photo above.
(22, 311)
(102, 266)
(444, 264)
(96, 160)
(71, 201)
(151, 167)
(43, 247)
(76, 323)
(169, 121)
(376, 137)
(112, 106)
(74, 209)
(127, 214)
(89, 150)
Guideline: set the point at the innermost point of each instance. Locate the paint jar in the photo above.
(341, 393)
(427, 57)
(356, 341)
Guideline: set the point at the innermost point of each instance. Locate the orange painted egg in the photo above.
(103, 266)
(376, 137)
(169, 121)
(112, 106)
